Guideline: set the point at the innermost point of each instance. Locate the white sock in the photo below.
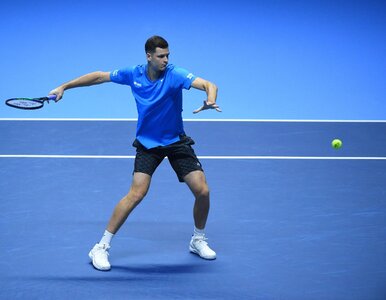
(199, 232)
(106, 238)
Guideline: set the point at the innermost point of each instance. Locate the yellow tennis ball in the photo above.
(336, 143)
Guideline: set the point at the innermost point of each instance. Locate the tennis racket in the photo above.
(29, 103)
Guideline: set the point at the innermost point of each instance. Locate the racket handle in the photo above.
(51, 97)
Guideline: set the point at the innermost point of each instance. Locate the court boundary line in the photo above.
(194, 120)
(227, 157)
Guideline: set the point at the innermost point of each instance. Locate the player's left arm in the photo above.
(211, 94)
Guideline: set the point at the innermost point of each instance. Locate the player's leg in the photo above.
(145, 164)
(188, 169)
(99, 253)
(197, 183)
(138, 191)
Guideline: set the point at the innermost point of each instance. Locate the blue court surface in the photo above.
(291, 218)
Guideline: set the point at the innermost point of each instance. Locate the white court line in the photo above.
(194, 120)
(200, 157)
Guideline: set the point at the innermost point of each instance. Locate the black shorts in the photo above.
(180, 154)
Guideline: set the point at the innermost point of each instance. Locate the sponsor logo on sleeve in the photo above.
(190, 76)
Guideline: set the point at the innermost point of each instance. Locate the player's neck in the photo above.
(153, 74)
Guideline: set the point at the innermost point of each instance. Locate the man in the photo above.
(157, 88)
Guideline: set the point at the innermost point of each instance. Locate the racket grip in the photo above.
(51, 97)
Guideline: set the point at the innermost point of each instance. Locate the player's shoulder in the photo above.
(177, 70)
(170, 68)
(139, 69)
(134, 68)
(123, 70)
(171, 71)
(126, 74)
(174, 68)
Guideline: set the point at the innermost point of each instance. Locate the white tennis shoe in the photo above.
(99, 256)
(199, 246)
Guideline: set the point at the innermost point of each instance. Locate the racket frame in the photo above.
(40, 102)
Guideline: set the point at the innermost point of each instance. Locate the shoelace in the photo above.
(103, 249)
(201, 240)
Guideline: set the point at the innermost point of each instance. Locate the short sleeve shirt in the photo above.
(159, 102)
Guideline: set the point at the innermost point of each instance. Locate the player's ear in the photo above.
(148, 56)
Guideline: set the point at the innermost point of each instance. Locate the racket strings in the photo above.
(25, 103)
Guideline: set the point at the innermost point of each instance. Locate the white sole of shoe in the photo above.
(95, 265)
(193, 250)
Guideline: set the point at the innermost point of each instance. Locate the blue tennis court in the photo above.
(291, 218)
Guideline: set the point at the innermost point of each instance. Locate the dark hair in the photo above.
(154, 42)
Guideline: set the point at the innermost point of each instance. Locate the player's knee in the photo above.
(136, 195)
(202, 192)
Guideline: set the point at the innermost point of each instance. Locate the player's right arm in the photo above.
(85, 80)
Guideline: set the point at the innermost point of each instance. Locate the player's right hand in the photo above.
(59, 91)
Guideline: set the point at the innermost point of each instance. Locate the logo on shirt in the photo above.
(190, 76)
(137, 84)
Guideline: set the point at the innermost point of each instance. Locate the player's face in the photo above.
(159, 59)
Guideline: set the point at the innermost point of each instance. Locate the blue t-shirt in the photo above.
(159, 102)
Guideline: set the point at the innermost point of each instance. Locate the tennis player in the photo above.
(157, 88)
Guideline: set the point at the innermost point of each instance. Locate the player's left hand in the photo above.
(206, 106)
